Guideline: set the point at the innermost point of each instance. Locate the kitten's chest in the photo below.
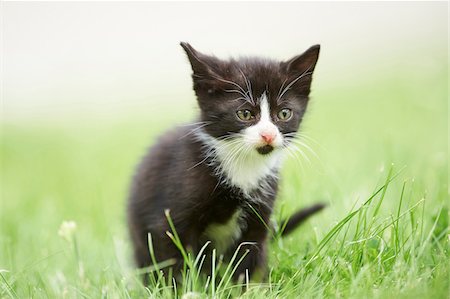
(227, 213)
(223, 220)
(223, 234)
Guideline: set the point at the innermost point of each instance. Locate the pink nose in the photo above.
(267, 137)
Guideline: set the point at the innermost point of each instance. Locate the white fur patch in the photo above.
(239, 163)
(222, 235)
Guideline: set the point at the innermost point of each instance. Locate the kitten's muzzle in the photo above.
(267, 142)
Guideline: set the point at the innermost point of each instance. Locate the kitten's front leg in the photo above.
(254, 264)
(252, 244)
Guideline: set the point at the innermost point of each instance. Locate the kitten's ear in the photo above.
(202, 65)
(303, 63)
(300, 70)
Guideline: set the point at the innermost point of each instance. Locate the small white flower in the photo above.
(67, 230)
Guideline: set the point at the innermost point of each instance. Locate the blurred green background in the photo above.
(87, 87)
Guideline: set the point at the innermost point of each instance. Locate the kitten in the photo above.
(219, 177)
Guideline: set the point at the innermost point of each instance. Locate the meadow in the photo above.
(377, 154)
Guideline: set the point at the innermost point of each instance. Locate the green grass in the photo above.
(381, 165)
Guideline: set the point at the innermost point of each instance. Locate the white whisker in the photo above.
(195, 130)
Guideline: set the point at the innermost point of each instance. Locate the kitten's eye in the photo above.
(285, 114)
(245, 115)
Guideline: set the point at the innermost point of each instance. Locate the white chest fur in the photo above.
(238, 164)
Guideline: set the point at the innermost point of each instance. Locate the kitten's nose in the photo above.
(267, 137)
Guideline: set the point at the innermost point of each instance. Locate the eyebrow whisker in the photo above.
(240, 90)
(249, 86)
(305, 73)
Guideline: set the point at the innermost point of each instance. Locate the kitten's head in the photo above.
(255, 103)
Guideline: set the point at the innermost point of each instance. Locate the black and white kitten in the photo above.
(219, 177)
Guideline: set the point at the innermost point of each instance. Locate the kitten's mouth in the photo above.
(264, 150)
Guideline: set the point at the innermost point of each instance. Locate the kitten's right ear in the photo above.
(202, 65)
(303, 63)
(300, 69)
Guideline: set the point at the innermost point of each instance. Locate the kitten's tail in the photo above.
(299, 217)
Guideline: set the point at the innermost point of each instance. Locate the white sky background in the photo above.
(65, 57)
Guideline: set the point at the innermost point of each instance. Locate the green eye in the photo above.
(285, 114)
(245, 115)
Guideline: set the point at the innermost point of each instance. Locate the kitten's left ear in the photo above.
(202, 65)
(303, 63)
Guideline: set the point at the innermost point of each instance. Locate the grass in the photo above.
(381, 165)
